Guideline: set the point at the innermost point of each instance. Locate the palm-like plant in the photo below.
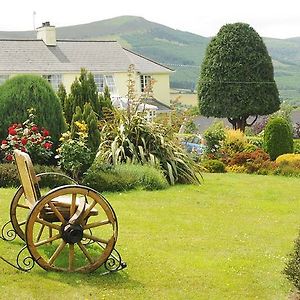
(130, 138)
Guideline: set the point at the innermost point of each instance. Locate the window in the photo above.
(105, 80)
(145, 80)
(3, 78)
(151, 114)
(100, 82)
(54, 80)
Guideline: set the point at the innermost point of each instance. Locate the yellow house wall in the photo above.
(161, 90)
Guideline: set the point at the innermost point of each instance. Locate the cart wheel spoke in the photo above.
(51, 239)
(40, 233)
(50, 225)
(71, 257)
(73, 205)
(85, 252)
(57, 213)
(94, 238)
(96, 224)
(57, 252)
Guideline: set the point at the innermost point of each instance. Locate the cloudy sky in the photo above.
(280, 19)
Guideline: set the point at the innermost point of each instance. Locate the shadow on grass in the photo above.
(113, 280)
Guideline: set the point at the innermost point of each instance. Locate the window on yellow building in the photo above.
(105, 80)
(145, 80)
(54, 79)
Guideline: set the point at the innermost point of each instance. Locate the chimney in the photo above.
(47, 33)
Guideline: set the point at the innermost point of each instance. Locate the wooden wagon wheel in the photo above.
(19, 208)
(19, 211)
(81, 241)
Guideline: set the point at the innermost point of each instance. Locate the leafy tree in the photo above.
(23, 92)
(237, 77)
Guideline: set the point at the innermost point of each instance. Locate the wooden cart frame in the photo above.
(71, 228)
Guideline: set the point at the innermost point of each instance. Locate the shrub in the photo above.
(103, 177)
(214, 135)
(9, 176)
(278, 137)
(130, 138)
(257, 161)
(23, 92)
(235, 141)
(296, 145)
(74, 156)
(292, 268)
(256, 141)
(288, 158)
(214, 166)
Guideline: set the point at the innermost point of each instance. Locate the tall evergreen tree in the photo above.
(89, 117)
(62, 94)
(83, 90)
(237, 77)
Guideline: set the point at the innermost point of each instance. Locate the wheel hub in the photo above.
(72, 233)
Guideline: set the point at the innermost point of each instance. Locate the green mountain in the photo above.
(180, 50)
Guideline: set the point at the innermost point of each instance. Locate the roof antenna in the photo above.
(33, 19)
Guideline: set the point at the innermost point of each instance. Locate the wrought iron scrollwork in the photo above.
(24, 262)
(7, 233)
(114, 262)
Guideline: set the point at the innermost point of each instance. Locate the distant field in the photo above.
(185, 99)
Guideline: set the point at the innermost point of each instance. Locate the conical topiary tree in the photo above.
(237, 77)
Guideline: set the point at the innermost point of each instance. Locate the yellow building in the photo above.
(60, 61)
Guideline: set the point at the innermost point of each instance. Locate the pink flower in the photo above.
(34, 128)
(4, 142)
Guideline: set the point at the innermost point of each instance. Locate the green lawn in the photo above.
(225, 239)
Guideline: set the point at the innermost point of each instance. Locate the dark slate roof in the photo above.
(71, 55)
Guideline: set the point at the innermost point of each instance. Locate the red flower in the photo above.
(34, 128)
(24, 141)
(9, 157)
(23, 149)
(47, 145)
(12, 131)
(4, 142)
(45, 132)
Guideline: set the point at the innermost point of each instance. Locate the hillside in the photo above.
(182, 51)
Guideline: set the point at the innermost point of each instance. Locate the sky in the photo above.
(278, 19)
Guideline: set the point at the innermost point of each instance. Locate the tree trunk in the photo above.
(240, 123)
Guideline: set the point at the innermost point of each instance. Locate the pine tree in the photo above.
(89, 117)
(77, 116)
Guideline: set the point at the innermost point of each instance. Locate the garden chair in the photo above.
(71, 228)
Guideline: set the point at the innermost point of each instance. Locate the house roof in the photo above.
(21, 56)
(161, 107)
